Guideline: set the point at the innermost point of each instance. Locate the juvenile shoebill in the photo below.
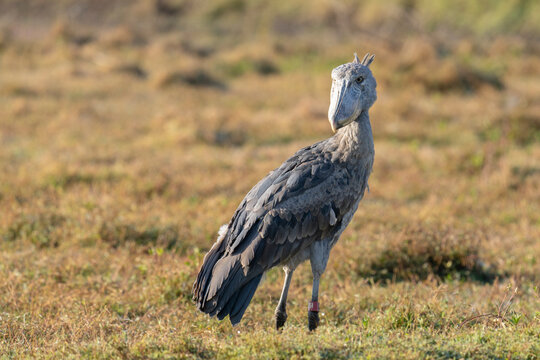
(299, 210)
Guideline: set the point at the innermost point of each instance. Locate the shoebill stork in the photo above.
(299, 210)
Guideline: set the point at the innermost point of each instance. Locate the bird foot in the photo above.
(281, 317)
(313, 320)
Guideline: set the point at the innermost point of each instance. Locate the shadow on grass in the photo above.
(196, 78)
(122, 234)
(41, 229)
(440, 252)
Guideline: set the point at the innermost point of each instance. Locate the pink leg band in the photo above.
(313, 306)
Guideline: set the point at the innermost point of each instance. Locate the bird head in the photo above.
(353, 91)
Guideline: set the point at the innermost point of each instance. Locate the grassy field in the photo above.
(131, 130)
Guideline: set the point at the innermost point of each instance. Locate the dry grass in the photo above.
(130, 131)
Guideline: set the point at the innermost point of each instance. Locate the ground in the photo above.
(131, 130)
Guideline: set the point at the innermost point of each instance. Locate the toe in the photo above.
(281, 317)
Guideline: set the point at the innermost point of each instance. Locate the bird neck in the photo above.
(356, 139)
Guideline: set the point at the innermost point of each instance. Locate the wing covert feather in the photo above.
(300, 202)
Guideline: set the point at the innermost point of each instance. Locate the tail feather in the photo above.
(228, 307)
(224, 290)
(205, 274)
(224, 285)
(241, 304)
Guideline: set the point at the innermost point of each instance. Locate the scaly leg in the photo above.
(318, 258)
(281, 313)
(313, 307)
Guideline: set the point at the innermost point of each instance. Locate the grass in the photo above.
(130, 134)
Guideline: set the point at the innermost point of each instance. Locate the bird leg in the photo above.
(281, 313)
(319, 253)
(313, 307)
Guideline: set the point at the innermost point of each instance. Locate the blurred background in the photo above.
(131, 130)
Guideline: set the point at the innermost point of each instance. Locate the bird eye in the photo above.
(359, 79)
